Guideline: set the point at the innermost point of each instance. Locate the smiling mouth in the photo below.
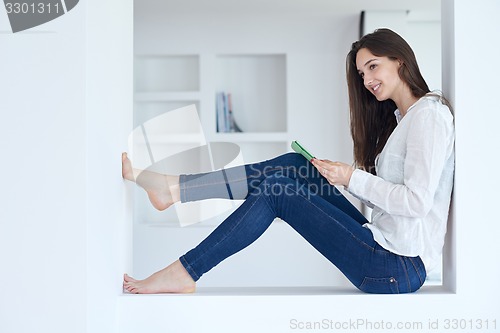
(375, 88)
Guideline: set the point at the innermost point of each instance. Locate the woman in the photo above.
(404, 162)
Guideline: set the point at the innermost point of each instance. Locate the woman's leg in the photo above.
(238, 182)
(335, 234)
(163, 190)
(235, 182)
(172, 279)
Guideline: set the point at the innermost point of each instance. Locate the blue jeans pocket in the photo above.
(379, 285)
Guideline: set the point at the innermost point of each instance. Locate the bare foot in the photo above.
(163, 190)
(172, 279)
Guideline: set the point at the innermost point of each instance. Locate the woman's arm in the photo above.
(429, 144)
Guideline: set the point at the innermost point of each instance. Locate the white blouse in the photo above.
(411, 193)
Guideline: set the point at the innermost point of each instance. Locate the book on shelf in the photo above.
(224, 114)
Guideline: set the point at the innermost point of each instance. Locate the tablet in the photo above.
(301, 150)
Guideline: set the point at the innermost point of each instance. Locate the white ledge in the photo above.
(267, 309)
(287, 291)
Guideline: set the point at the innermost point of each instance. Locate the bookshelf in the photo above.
(257, 84)
(258, 87)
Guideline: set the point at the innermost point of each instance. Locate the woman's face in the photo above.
(380, 75)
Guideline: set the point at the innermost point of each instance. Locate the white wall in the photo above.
(421, 29)
(108, 120)
(472, 84)
(43, 192)
(66, 111)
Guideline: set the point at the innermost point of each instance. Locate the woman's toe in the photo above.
(128, 278)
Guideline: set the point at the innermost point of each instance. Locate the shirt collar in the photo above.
(398, 115)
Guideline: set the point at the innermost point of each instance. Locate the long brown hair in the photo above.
(372, 122)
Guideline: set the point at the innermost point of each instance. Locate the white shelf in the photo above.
(252, 137)
(173, 138)
(167, 96)
(166, 82)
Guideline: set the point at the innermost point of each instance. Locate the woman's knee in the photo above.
(281, 185)
(295, 162)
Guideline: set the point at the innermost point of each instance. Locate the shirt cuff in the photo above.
(357, 183)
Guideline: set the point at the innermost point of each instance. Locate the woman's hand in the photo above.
(336, 173)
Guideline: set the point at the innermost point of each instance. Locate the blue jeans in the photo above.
(289, 187)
